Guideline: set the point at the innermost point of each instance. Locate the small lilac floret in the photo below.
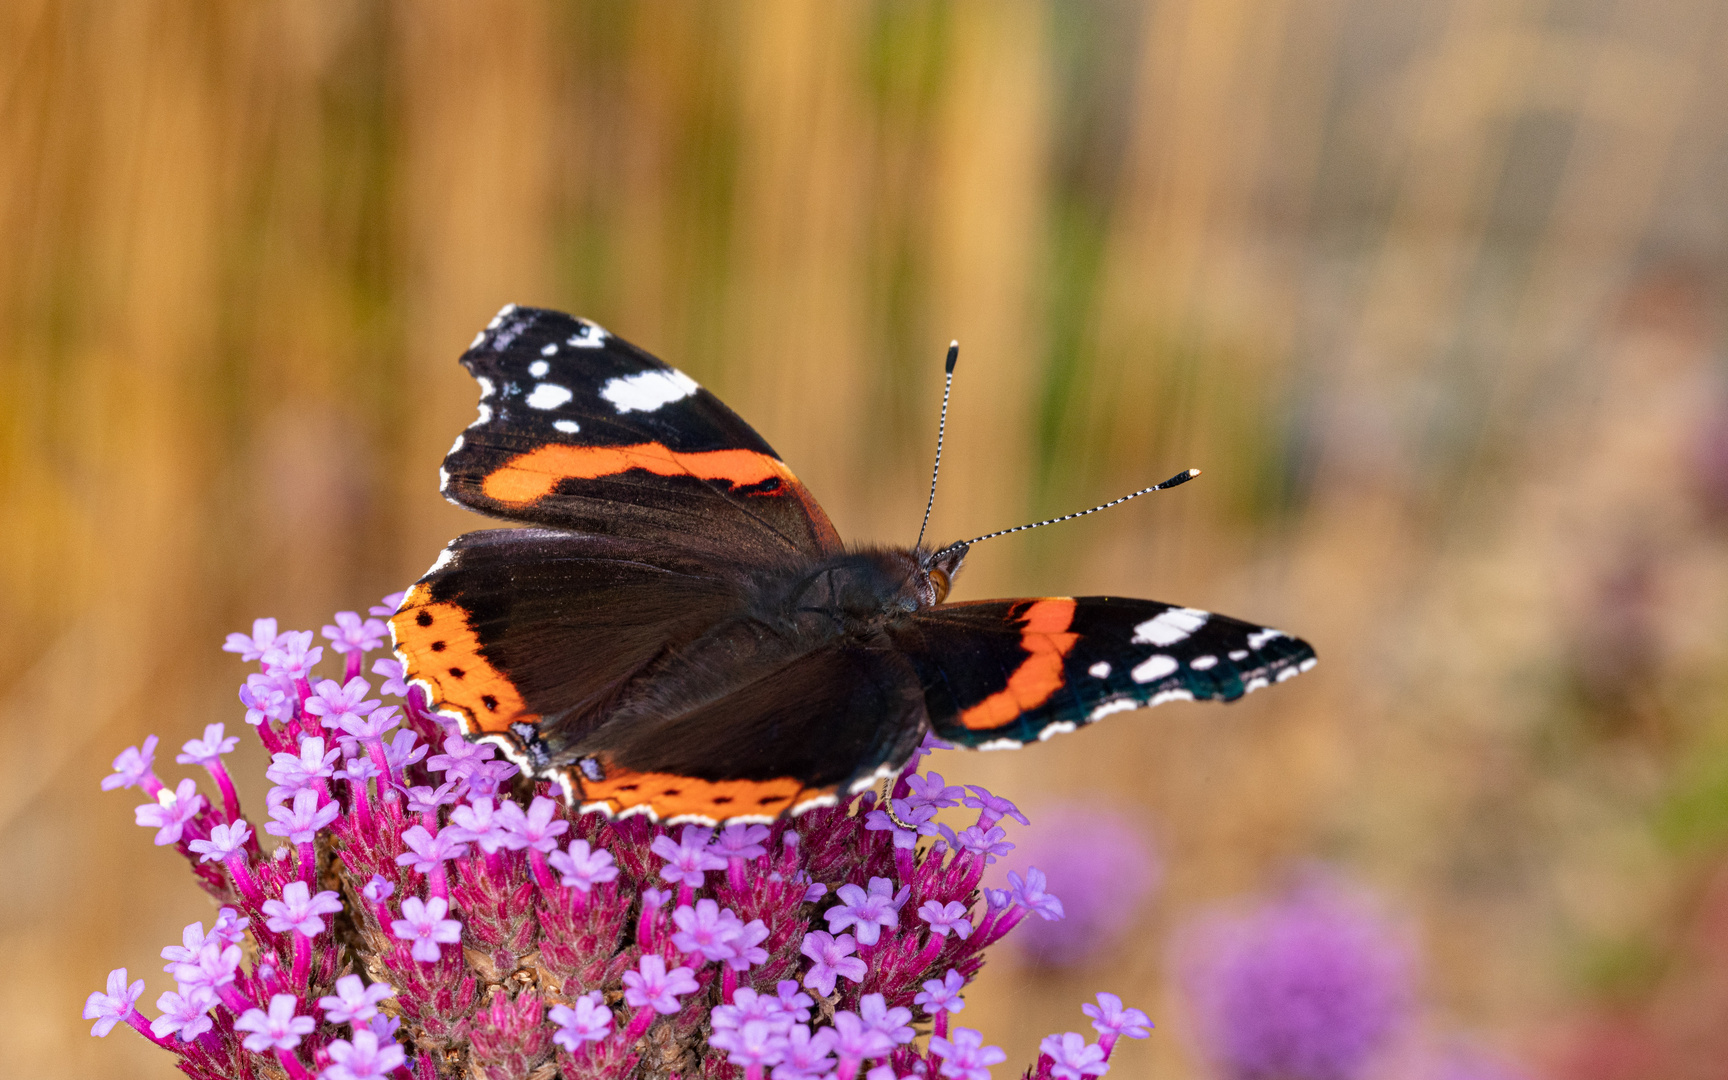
(480, 823)
(1030, 894)
(487, 778)
(858, 1041)
(230, 927)
(748, 1005)
(208, 750)
(746, 947)
(922, 820)
(224, 841)
(109, 1008)
(300, 822)
(300, 911)
(215, 966)
(358, 769)
(650, 984)
(832, 957)
(354, 1001)
(387, 607)
(132, 766)
(990, 843)
(370, 727)
(391, 670)
(932, 791)
(367, 1057)
(741, 841)
(587, 1020)
(538, 827)
(870, 912)
(404, 749)
(755, 1043)
(687, 860)
(191, 940)
(378, 889)
(1111, 1019)
(425, 799)
(581, 867)
(352, 634)
(991, 808)
(427, 852)
(171, 812)
(424, 924)
(293, 656)
(965, 1057)
(292, 773)
(807, 1055)
(184, 1015)
(707, 929)
(460, 757)
(263, 638)
(1072, 1057)
(895, 1023)
(946, 918)
(335, 703)
(793, 1002)
(278, 1029)
(266, 699)
(942, 994)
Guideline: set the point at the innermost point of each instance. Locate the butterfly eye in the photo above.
(939, 578)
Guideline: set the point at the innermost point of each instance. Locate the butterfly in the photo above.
(677, 630)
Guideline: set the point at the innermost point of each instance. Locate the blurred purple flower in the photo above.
(1103, 869)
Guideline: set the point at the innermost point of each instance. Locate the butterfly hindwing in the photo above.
(1008, 672)
(583, 431)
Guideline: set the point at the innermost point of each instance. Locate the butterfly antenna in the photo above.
(1179, 478)
(941, 427)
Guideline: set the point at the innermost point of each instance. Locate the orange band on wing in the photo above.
(671, 795)
(531, 476)
(439, 648)
(1044, 625)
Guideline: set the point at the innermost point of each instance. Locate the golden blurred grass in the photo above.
(1430, 290)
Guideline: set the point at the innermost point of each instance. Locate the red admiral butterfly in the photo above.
(683, 633)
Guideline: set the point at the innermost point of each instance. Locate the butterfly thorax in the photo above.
(857, 592)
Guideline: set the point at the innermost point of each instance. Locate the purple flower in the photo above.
(748, 1005)
(132, 766)
(932, 791)
(1310, 986)
(856, 1040)
(588, 1020)
(292, 773)
(538, 828)
(358, 770)
(1030, 894)
(945, 919)
(831, 956)
(793, 1002)
(378, 889)
(424, 924)
(386, 607)
(741, 841)
(293, 656)
(1112, 1021)
(262, 640)
(652, 985)
(213, 967)
(920, 818)
(367, 1057)
(108, 1009)
(806, 1054)
(988, 842)
(870, 912)
(300, 822)
(279, 1029)
(229, 927)
(224, 841)
(1103, 866)
(354, 1001)
(460, 757)
(299, 911)
(391, 669)
(184, 1015)
(350, 634)
(895, 1023)
(706, 929)
(746, 947)
(192, 939)
(480, 823)
(171, 811)
(689, 858)
(942, 994)
(266, 699)
(582, 868)
(340, 704)
(966, 1057)
(427, 853)
(991, 808)
(487, 778)
(208, 750)
(426, 799)
(756, 1043)
(404, 749)
(1072, 1057)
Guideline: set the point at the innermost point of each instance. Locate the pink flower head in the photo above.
(171, 812)
(965, 1057)
(300, 911)
(368, 1057)
(1072, 1057)
(109, 1008)
(581, 867)
(688, 860)
(354, 1001)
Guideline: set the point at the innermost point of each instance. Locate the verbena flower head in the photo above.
(1311, 985)
(414, 909)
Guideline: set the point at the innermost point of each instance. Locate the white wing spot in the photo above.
(1100, 670)
(455, 446)
(591, 336)
(539, 368)
(486, 387)
(568, 427)
(550, 350)
(1255, 684)
(1202, 663)
(1287, 673)
(498, 318)
(1170, 695)
(1060, 727)
(1238, 654)
(445, 558)
(479, 340)
(1000, 744)
(443, 478)
(1306, 664)
(1169, 627)
(1118, 705)
(1153, 668)
(547, 396)
(485, 415)
(1259, 638)
(646, 391)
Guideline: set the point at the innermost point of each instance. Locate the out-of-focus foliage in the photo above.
(1431, 290)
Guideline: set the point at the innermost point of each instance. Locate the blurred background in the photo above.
(1432, 290)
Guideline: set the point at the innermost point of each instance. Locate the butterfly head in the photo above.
(936, 573)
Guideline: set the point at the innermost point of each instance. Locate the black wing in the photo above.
(1006, 672)
(581, 430)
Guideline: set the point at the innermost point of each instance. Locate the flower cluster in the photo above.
(426, 912)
